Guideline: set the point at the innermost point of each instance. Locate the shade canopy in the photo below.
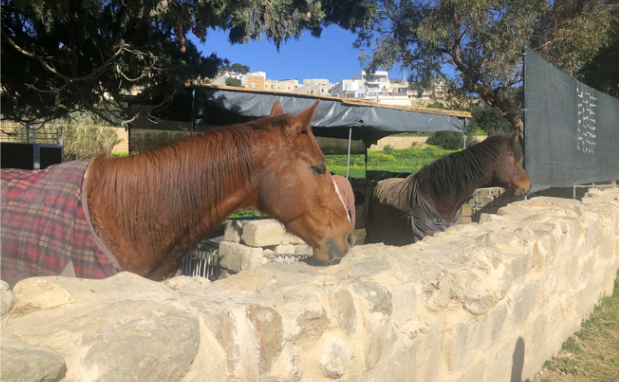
(370, 121)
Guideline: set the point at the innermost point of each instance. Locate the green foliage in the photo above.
(118, 58)
(484, 118)
(231, 81)
(247, 214)
(482, 40)
(147, 139)
(449, 140)
(85, 141)
(601, 73)
(387, 149)
(375, 156)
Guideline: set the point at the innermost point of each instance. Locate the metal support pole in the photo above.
(348, 164)
(27, 133)
(574, 189)
(464, 136)
(592, 184)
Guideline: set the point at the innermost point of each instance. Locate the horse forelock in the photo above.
(461, 170)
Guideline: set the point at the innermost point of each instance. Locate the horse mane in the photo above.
(459, 171)
(178, 183)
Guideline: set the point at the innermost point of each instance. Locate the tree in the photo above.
(231, 81)
(118, 59)
(601, 73)
(240, 69)
(481, 41)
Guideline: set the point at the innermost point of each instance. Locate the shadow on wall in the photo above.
(518, 362)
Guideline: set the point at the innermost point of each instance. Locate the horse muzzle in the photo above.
(332, 250)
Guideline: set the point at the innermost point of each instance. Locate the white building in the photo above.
(380, 88)
(317, 86)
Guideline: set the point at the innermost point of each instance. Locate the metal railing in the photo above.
(202, 261)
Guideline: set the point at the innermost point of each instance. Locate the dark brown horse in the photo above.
(402, 211)
(149, 210)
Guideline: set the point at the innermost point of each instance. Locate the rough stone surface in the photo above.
(335, 359)
(479, 302)
(237, 257)
(233, 231)
(342, 308)
(6, 297)
(263, 233)
(287, 249)
(21, 362)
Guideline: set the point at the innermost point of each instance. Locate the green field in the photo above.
(396, 160)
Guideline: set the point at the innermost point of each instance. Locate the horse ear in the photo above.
(491, 132)
(277, 109)
(305, 117)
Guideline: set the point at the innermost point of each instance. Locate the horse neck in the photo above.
(159, 205)
(448, 205)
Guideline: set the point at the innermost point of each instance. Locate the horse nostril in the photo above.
(350, 240)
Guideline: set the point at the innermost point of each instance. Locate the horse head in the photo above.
(507, 170)
(294, 186)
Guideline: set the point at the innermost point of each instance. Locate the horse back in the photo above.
(44, 227)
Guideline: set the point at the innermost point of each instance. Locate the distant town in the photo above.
(379, 87)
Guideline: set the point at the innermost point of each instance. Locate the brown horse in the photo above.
(149, 210)
(402, 211)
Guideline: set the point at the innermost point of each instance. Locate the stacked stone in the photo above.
(250, 243)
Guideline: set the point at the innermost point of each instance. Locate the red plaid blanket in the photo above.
(44, 227)
(342, 184)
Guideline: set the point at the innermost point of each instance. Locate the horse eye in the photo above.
(320, 168)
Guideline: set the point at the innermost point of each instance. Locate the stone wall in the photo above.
(489, 200)
(479, 302)
(249, 243)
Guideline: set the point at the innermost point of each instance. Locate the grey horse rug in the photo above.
(399, 215)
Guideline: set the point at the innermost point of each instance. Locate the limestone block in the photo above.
(141, 341)
(379, 338)
(492, 325)
(524, 302)
(484, 202)
(268, 254)
(378, 297)
(303, 249)
(342, 307)
(496, 191)
(432, 348)
(269, 331)
(22, 362)
(404, 299)
(233, 231)
(237, 257)
(290, 238)
(335, 359)
(476, 373)
(6, 297)
(465, 341)
(287, 367)
(303, 316)
(263, 233)
(284, 249)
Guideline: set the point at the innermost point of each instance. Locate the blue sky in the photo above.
(331, 56)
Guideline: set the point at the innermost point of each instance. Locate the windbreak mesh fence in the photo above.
(571, 130)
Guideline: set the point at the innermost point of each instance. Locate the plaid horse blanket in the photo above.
(44, 228)
(399, 215)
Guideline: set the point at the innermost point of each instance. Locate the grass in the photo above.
(591, 354)
(410, 159)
